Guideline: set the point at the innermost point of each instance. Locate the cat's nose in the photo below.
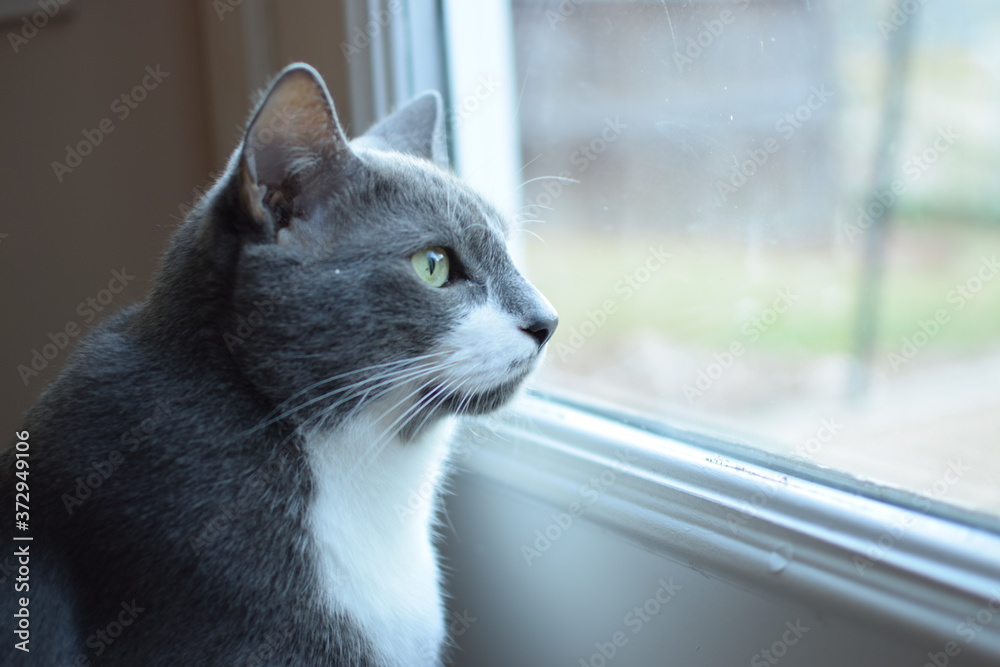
(542, 327)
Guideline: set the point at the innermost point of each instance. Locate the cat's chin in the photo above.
(485, 402)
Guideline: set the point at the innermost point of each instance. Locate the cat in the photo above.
(225, 473)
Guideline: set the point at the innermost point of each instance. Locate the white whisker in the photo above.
(548, 178)
(378, 377)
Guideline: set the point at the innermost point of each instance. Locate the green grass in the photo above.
(709, 291)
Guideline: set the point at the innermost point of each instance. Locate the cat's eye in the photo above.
(433, 265)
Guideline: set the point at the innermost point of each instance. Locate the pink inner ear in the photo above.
(251, 193)
(298, 112)
(294, 142)
(295, 128)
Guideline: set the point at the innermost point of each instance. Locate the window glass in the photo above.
(778, 218)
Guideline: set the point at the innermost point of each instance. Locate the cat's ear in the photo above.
(293, 138)
(418, 129)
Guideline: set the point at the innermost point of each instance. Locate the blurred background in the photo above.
(825, 179)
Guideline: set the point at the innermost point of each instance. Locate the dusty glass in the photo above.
(780, 219)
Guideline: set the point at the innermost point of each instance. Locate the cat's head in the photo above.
(367, 275)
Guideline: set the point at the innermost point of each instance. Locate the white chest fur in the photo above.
(372, 520)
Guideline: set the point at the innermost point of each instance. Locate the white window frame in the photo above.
(428, 44)
(696, 499)
(681, 496)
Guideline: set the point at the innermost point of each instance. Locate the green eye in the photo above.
(433, 265)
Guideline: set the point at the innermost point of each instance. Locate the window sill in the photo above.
(917, 576)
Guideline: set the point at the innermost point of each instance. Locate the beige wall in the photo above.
(116, 210)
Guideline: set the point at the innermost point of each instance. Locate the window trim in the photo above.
(740, 446)
(404, 54)
(796, 539)
(484, 98)
(418, 45)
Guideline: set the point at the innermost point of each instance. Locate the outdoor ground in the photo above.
(660, 346)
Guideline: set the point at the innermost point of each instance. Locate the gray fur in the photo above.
(291, 273)
(406, 130)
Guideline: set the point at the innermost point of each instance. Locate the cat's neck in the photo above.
(371, 519)
(195, 282)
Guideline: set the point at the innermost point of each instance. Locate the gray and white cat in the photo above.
(216, 477)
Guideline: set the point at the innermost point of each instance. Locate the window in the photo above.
(776, 221)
